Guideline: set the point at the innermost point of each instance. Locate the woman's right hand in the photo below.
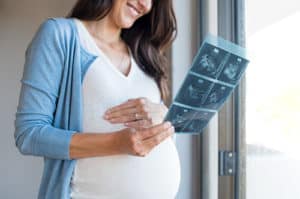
(140, 142)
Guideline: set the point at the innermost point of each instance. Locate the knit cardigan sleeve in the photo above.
(40, 86)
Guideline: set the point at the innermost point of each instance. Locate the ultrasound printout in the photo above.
(215, 72)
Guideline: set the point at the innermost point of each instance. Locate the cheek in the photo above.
(149, 6)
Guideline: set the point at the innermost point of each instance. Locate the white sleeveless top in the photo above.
(155, 176)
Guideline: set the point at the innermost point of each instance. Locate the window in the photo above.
(273, 99)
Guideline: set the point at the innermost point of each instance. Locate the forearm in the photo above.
(85, 145)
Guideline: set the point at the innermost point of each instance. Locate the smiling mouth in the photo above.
(134, 9)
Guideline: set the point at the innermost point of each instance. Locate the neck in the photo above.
(104, 30)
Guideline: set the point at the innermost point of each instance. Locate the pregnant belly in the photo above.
(129, 177)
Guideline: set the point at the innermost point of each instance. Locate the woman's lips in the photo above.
(133, 10)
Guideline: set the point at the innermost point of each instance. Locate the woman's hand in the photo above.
(137, 113)
(141, 141)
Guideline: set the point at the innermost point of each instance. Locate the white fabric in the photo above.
(155, 176)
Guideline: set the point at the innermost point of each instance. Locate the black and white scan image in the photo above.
(217, 96)
(187, 120)
(215, 72)
(233, 69)
(194, 91)
(209, 61)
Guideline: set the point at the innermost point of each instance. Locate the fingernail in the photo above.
(167, 124)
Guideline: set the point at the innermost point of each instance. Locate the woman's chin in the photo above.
(127, 24)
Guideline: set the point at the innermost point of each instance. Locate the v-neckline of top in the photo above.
(105, 57)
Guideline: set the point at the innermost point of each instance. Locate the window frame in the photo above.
(226, 132)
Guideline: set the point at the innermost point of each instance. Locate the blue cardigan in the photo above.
(49, 108)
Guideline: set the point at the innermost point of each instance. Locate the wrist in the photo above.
(117, 141)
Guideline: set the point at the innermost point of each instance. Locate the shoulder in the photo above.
(57, 26)
(54, 32)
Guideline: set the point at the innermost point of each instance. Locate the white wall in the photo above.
(184, 49)
(20, 175)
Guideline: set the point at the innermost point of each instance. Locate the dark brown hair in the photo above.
(148, 38)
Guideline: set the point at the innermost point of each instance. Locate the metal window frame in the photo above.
(226, 132)
(209, 138)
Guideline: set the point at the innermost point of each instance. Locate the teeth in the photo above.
(134, 9)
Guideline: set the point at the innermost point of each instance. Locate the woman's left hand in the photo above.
(137, 113)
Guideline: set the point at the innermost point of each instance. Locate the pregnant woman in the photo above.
(91, 102)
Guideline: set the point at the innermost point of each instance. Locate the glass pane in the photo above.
(273, 99)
